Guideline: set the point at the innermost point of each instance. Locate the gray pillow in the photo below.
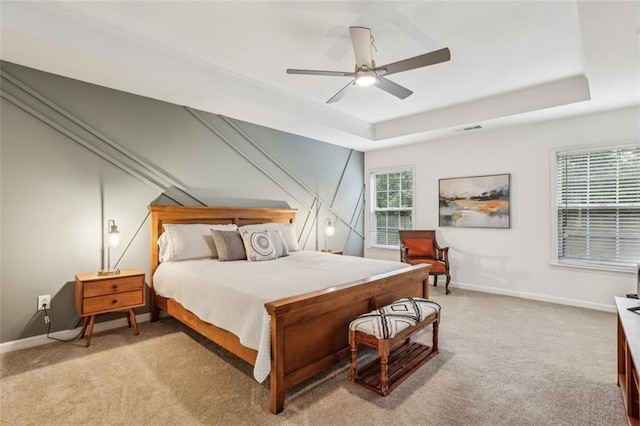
(229, 245)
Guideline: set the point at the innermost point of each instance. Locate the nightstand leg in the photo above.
(85, 322)
(133, 321)
(92, 321)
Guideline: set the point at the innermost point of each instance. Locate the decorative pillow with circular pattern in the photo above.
(258, 245)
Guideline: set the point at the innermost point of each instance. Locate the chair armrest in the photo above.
(442, 253)
(445, 256)
(404, 253)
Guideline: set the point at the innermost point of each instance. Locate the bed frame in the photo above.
(309, 331)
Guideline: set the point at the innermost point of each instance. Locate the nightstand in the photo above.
(100, 294)
(333, 251)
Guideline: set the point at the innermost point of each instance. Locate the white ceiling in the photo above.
(512, 62)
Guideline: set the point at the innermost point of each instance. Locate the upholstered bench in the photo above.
(389, 330)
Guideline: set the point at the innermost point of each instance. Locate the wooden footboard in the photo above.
(309, 333)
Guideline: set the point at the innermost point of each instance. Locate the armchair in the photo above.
(421, 247)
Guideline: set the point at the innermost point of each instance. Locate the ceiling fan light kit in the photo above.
(367, 74)
(366, 78)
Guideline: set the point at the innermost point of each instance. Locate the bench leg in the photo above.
(383, 352)
(354, 356)
(436, 324)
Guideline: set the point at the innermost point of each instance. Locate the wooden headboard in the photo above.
(213, 215)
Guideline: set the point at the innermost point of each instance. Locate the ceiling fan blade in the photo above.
(431, 58)
(318, 72)
(341, 93)
(361, 40)
(393, 88)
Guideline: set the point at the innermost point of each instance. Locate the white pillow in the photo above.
(288, 232)
(258, 245)
(279, 244)
(189, 241)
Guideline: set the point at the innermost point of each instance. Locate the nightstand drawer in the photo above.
(113, 302)
(113, 285)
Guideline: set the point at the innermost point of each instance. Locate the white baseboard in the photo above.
(42, 339)
(534, 296)
(122, 322)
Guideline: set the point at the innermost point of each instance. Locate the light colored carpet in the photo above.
(502, 361)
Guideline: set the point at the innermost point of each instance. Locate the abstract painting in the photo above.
(475, 202)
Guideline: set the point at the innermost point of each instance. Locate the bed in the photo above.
(307, 332)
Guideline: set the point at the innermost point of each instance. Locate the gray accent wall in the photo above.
(74, 155)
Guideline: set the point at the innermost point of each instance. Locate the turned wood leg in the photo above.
(436, 324)
(447, 285)
(383, 351)
(354, 356)
(435, 281)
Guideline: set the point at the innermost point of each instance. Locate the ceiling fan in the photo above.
(367, 73)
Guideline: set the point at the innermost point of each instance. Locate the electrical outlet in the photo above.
(44, 300)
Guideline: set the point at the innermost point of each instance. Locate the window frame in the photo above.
(580, 263)
(373, 203)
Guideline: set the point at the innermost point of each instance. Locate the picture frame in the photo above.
(475, 201)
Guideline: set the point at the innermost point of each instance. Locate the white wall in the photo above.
(514, 261)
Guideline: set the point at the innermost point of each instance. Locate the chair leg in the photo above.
(435, 280)
(446, 287)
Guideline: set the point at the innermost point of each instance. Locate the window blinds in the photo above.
(392, 207)
(598, 201)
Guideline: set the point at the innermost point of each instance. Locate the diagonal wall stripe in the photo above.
(63, 121)
(324, 203)
(75, 129)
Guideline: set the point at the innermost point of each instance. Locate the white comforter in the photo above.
(231, 295)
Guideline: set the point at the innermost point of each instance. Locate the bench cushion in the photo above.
(385, 322)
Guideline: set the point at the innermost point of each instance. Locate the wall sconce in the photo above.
(113, 238)
(329, 231)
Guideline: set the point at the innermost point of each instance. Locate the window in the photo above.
(392, 205)
(598, 206)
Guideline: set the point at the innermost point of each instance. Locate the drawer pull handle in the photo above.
(115, 286)
(114, 301)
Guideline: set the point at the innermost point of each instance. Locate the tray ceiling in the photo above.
(511, 62)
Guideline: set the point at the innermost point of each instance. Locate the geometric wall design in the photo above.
(84, 154)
